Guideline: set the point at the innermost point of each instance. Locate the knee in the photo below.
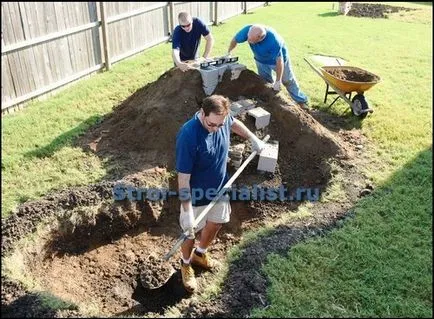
(214, 226)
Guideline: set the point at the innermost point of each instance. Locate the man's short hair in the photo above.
(217, 104)
(184, 17)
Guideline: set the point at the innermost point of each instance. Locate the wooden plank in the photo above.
(33, 62)
(80, 41)
(137, 50)
(56, 59)
(105, 42)
(17, 67)
(8, 90)
(51, 87)
(129, 14)
(94, 34)
(8, 87)
(63, 45)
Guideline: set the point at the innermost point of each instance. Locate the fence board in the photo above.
(202, 10)
(254, 5)
(47, 44)
(227, 10)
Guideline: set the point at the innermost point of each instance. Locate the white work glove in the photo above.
(184, 66)
(189, 221)
(276, 86)
(257, 144)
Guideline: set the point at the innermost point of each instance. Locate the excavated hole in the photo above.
(94, 254)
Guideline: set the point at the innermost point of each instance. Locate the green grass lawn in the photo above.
(377, 265)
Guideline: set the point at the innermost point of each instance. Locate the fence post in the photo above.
(245, 7)
(171, 17)
(105, 47)
(216, 15)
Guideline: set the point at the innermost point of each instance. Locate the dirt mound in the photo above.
(90, 250)
(352, 75)
(374, 10)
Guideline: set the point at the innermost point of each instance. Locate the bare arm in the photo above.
(232, 45)
(240, 129)
(209, 44)
(279, 69)
(176, 57)
(183, 187)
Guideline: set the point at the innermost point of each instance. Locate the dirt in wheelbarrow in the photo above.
(78, 252)
(352, 75)
(374, 10)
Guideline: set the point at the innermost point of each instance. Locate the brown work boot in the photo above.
(204, 261)
(188, 279)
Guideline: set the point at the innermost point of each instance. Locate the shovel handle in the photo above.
(199, 218)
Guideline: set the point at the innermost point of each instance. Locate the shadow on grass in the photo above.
(245, 287)
(329, 14)
(335, 122)
(42, 303)
(424, 3)
(65, 139)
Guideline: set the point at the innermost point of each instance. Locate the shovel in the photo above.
(166, 271)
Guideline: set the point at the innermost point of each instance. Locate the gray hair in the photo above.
(184, 17)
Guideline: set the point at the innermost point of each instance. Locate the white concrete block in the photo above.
(268, 157)
(262, 117)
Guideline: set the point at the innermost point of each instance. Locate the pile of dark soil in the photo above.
(374, 10)
(91, 250)
(354, 75)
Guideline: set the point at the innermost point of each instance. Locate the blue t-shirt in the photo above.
(267, 50)
(203, 155)
(188, 42)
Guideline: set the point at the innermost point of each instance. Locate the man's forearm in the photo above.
(209, 45)
(232, 45)
(176, 57)
(279, 68)
(240, 129)
(184, 191)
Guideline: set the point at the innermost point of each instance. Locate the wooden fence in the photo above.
(46, 45)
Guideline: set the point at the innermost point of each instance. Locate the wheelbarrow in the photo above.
(344, 87)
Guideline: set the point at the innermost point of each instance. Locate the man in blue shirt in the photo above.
(186, 40)
(202, 147)
(270, 53)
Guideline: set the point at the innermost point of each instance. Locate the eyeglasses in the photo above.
(210, 124)
(186, 26)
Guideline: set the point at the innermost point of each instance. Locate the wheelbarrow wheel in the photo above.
(359, 105)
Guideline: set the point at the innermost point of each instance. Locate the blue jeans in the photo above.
(288, 79)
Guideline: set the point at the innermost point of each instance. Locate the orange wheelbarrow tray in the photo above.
(344, 88)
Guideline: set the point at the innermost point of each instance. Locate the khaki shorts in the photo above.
(220, 213)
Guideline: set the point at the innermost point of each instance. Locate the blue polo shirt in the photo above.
(203, 155)
(188, 42)
(269, 49)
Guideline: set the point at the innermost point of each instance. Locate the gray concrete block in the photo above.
(262, 117)
(268, 157)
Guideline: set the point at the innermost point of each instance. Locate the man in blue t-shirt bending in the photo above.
(186, 40)
(202, 147)
(270, 53)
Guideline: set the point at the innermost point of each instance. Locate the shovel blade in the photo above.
(154, 272)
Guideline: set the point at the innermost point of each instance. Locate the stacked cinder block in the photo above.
(268, 157)
(213, 74)
(236, 69)
(236, 154)
(210, 77)
(262, 117)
